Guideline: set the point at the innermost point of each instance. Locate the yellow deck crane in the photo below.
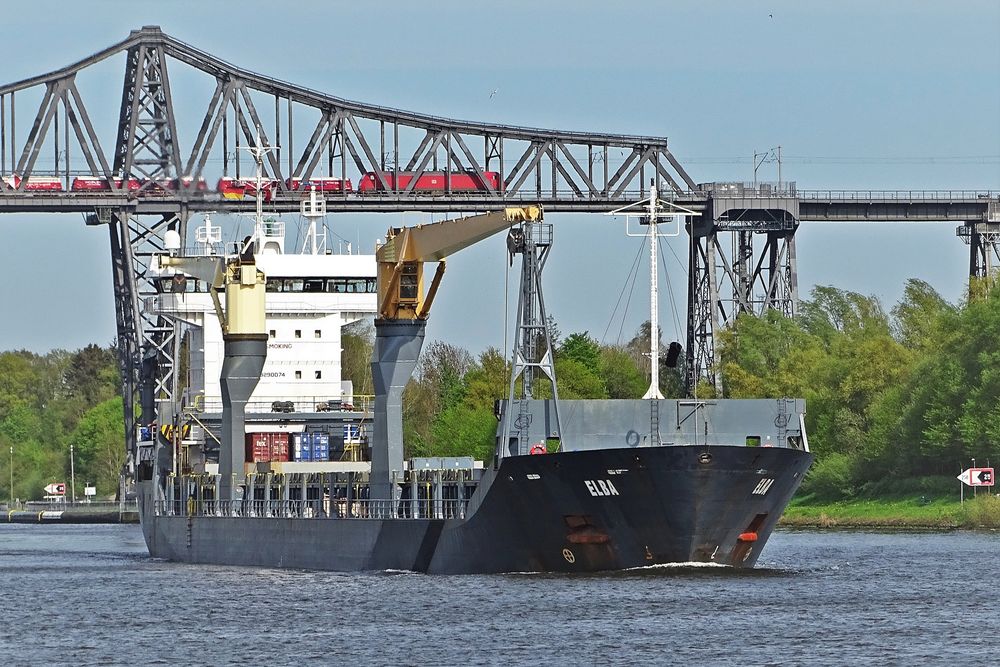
(244, 335)
(403, 308)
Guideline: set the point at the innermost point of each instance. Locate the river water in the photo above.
(91, 595)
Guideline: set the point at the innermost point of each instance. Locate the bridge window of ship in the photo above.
(319, 375)
(314, 285)
(318, 333)
(298, 333)
(298, 375)
(272, 333)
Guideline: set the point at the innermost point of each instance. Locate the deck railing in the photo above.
(339, 508)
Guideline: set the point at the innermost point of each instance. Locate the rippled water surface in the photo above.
(92, 595)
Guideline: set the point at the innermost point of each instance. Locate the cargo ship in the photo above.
(279, 464)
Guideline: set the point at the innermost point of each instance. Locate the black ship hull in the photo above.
(586, 511)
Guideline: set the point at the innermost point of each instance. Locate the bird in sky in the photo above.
(770, 16)
(493, 94)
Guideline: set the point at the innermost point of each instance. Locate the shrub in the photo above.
(830, 477)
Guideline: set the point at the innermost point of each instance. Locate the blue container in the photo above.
(321, 453)
(321, 439)
(301, 447)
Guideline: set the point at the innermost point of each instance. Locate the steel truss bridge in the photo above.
(742, 256)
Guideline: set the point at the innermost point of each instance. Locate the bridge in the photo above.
(143, 180)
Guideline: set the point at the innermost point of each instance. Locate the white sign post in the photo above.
(55, 491)
(975, 477)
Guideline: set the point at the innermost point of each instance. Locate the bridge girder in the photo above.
(565, 168)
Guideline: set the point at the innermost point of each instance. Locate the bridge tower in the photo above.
(983, 239)
(146, 153)
(742, 260)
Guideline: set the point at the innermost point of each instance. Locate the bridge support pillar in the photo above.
(148, 344)
(742, 260)
(983, 239)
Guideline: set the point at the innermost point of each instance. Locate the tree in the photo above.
(91, 375)
(622, 378)
(358, 340)
(99, 444)
(580, 347)
(918, 315)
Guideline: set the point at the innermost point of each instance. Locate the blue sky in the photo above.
(858, 94)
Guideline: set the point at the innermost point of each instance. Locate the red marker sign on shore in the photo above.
(977, 477)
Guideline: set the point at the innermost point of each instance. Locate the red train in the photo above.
(35, 183)
(238, 188)
(322, 184)
(98, 184)
(431, 181)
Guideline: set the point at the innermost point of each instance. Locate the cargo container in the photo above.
(302, 446)
(279, 447)
(321, 446)
(258, 448)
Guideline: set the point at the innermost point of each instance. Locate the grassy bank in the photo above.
(898, 512)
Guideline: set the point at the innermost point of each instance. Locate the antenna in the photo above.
(258, 152)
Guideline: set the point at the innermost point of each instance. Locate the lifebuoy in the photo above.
(539, 449)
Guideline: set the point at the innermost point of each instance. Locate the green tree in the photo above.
(580, 347)
(358, 340)
(91, 374)
(98, 441)
(622, 378)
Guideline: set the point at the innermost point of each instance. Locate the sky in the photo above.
(859, 95)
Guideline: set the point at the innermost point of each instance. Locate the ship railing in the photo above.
(357, 403)
(339, 508)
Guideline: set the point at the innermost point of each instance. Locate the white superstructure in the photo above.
(310, 297)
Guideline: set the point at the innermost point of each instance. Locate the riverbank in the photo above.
(97, 512)
(982, 511)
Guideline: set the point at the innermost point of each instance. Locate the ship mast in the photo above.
(312, 209)
(654, 296)
(258, 152)
(650, 211)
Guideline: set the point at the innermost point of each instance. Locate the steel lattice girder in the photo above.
(983, 239)
(748, 278)
(558, 166)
